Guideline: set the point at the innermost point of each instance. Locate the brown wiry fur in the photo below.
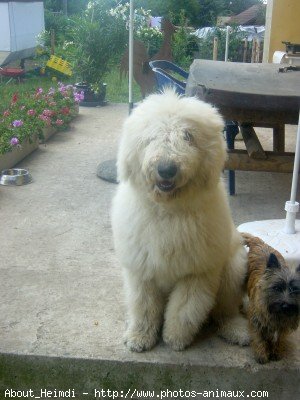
(269, 330)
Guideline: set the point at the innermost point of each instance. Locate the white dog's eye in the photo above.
(188, 136)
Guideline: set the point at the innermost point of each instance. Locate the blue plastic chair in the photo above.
(163, 69)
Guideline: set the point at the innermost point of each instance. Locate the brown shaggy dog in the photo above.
(274, 299)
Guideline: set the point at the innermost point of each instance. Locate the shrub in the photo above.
(184, 45)
(58, 22)
(27, 114)
(152, 37)
(97, 41)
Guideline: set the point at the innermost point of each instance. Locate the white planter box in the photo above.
(9, 160)
(48, 132)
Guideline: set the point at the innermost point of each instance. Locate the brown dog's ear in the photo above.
(273, 262)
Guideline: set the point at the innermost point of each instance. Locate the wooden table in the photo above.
(253, 95)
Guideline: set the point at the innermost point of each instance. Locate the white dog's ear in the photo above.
(213, 158)
(123, 167)
(126, 157)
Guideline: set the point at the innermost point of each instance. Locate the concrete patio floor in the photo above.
(61, 300)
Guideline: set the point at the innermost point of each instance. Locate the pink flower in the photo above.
(6, 113)
(14, 141)
(22, 107)
(39, 90)
(79, 96)
(46, 119)
(59, 122)
(48, 113)
(16, 123)
(31, 112)
(62, 89)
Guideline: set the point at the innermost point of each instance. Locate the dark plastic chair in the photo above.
(163, 79)
(163, 69)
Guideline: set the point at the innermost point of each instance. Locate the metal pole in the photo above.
(227, 42)
(292, 206)
(130, 58)
(65, 6)
(296, 165)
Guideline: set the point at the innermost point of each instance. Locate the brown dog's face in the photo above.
(282, 289)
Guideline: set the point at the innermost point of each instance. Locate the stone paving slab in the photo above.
(61, 299)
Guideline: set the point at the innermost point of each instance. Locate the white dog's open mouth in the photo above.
(166, 185)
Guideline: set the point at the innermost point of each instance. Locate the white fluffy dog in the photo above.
(181, 255)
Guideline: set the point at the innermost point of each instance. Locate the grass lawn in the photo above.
(117, 88)
(28, 86)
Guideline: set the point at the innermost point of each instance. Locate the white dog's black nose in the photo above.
(167, 170)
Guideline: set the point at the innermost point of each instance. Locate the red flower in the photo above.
(14, 98)
(65, 110)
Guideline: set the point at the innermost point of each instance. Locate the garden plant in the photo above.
(95, 40)
(27, 114)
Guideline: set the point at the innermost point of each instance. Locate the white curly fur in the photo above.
(182, 258)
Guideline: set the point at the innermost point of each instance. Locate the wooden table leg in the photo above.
(278, 138)
(252, 143)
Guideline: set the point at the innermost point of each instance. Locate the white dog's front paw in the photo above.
(137, 340)
(235, 331)
(178, 339)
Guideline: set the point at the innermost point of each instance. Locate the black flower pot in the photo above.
(92, 99)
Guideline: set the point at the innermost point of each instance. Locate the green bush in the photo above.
(60, 24)
(151, 37)
(184, 45)
(95, 46)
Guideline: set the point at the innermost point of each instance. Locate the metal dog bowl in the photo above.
(15, 177)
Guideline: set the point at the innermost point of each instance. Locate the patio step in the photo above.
(209, 366)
